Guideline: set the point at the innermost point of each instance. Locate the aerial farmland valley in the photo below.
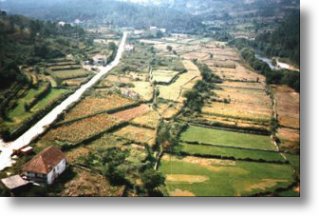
(119, 98)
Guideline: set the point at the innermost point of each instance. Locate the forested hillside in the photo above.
(26, 41)
(284, 41)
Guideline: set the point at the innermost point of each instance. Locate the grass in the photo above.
(18, 114)
(230, 152)
(225, 178)
(71, 74)
(227, 138)
(294, 160)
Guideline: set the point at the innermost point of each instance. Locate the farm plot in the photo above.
(137, 134)
(168, 109)
(227, 138)
(71, 74)
(81, 130)
(174, 92)
(287, 106)
(19, 114)
(74, 82)
(229, 122)
(240, 73)
(129, 114)
(150, 119)
(143, 89)
(164, 76)
(289, 139)
(238, 111)
(92, 105)
(241, 103)
(229, 152)
(193, 176)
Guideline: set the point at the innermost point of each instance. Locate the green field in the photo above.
(18, 114)
(71, 74)
(230, 152)
(294, 161)
(227, 138)
(225, 178)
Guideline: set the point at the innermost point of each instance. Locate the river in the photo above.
(279, 66)
(41, 126)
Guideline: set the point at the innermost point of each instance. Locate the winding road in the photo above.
(7, 149)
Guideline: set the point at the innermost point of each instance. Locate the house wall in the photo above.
(56, 172)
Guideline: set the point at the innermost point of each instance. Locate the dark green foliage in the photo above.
(284, 41)
(152, 179)
(26, 41)
(284, 77)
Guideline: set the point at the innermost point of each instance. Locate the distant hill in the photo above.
(123, 14)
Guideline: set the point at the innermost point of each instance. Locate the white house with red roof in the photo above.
(46, 166)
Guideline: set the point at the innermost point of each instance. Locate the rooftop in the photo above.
(14, 182)
(45, 161)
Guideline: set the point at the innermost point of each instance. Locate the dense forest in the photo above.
(284, 41)
(106, 11)
(26, 41)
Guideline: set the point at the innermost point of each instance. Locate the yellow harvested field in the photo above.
(243, 85)
(164, 76)
(120, 79)
(137, 134)
(248, 96)
(174, 92)
(150, 119)
(290, 139)
(81, 130)
(287, 106)
(189, 179)
(144, 89)
(92, 105)
(239, 110)
(129, 114)
(168, 110)
(240, 73)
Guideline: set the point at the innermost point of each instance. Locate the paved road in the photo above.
(39, 128)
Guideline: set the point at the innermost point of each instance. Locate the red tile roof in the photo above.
(45, 161)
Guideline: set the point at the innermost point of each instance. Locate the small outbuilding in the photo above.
(46, 166)
(15, 182)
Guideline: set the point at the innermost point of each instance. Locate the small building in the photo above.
(129, 47)
(14, 183)
(100, 60)
(46, 166)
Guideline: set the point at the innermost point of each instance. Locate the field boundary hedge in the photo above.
(222, 146)
(30, 104)
(182, 153)
(221, 126)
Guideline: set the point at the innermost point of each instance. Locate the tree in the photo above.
(152, 179)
